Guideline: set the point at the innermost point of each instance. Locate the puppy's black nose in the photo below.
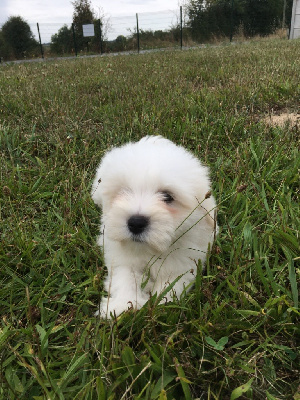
(137, 224)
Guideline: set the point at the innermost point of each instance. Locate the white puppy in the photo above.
(157, 220)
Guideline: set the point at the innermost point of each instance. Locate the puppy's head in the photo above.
(148, 189)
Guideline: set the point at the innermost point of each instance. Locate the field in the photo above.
(236, 334)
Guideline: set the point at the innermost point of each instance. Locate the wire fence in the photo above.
(137, 32)
(116, 26)
(128, 33)
(143, 31)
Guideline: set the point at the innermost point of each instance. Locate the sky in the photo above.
(52, 14)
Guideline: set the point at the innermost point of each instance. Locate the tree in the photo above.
(84, 14)
(5, 51)
(120, 43)
(263, 17)
(18, 37)
(62, 42)
(209, 18)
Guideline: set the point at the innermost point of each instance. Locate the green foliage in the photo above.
(207, 19)
(263, 17)
(5, 51)
(234, 335)
(62, 42)
(217, 18)
(84, 14)
(17, 38)
(148, 40)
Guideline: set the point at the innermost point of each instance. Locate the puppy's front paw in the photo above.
(116, 305)
(112, 306)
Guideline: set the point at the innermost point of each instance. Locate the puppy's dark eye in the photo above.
(167, 197)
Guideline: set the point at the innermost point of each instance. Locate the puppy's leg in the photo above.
(164, 281)
(124, 291)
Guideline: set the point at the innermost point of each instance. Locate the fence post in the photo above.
(100, 36)
(42, 51)
(137, 33)
(181, 27)
(231, 21)
(283, 14)
(74, 39)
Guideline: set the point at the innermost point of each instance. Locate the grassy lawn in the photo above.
(235, 334)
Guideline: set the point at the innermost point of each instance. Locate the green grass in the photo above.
(234, 335)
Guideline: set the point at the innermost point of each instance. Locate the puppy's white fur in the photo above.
(165, 189)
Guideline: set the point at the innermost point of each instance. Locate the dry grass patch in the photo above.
(292, 119)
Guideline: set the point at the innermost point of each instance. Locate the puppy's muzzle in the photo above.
(137, 224)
